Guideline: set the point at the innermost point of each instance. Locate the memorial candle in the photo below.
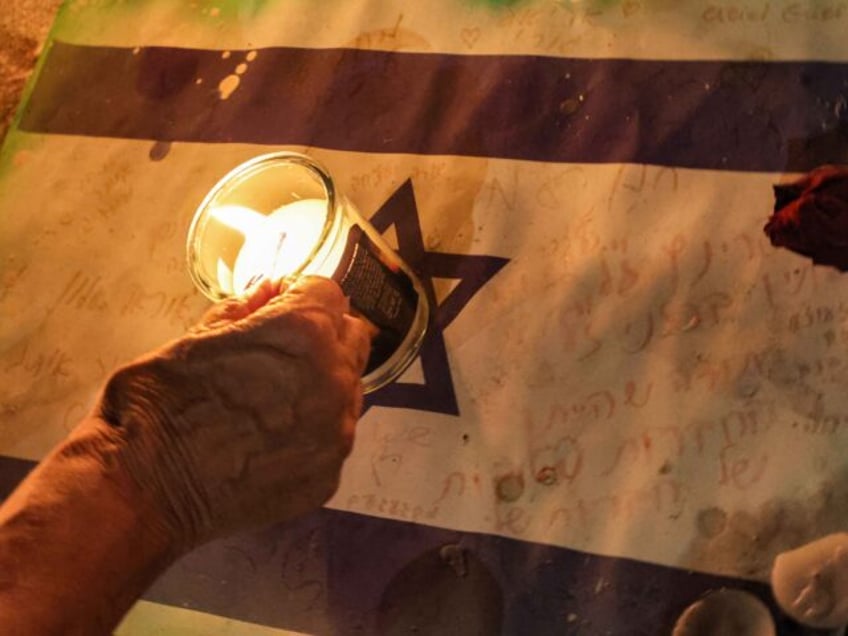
(279, 215)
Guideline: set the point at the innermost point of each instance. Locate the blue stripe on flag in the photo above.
(370, 575)
(725, 115)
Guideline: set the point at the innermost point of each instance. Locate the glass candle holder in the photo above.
(279, 215)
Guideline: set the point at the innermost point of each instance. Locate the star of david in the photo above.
(436, 394)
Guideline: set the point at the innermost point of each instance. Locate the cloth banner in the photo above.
(626, 397)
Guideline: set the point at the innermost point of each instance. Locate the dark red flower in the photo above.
(811, 216)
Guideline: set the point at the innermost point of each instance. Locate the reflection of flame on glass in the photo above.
(225, 276)
(295, 226)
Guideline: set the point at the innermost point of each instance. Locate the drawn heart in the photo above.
(470, 36)
(630, 7)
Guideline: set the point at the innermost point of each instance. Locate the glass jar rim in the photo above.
(244, 169)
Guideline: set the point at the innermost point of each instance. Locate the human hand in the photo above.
(249, 417)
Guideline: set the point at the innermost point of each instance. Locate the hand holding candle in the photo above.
(249, 418)
(279, 215)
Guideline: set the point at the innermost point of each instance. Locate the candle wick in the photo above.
(253, 280)
(280, 240)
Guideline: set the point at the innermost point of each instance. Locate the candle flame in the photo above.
(239, 218)
(274, 245)
(225, 276)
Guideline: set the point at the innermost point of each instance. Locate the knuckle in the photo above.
(319, 286)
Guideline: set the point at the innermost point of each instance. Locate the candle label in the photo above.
(380, 291)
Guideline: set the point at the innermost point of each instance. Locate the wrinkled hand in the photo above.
(247, 419)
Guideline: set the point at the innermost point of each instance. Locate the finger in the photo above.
(373, 330)
(237, 308)
(356, 337)
(348, 432)
(310, 295)
(266, 292)
(306, 319)
(223, 312)
(311, 290)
